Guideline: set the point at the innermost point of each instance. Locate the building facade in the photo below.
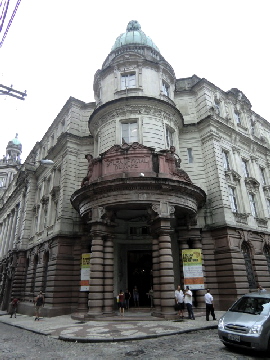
(156, 165)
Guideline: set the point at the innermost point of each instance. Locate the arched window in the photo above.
(245, 248)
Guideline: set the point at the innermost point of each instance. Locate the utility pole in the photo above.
(6, 90)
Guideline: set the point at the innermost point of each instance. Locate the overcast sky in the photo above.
(54, 48)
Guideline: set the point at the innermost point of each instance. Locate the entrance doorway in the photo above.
(140, 275)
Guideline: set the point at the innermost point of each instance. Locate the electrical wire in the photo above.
(10, 21)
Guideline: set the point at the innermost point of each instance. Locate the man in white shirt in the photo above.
(188, 302)
(179, 301)
(209, 305)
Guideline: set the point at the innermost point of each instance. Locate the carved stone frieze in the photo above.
(232, 176)
(262, 222)
(130, 111)
(241, 218)
(252, 184)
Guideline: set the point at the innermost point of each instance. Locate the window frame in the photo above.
(252, 203)
(129, 123)
(233, 199)
(237, 117)
(190, 156)
(127, 76)
(245, 168)
(169, 137)
(262, 172)
(165, 88)
(226, 160)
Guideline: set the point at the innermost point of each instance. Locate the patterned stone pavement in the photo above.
(130, 327)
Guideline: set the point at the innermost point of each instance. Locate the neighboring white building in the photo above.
(131, 204)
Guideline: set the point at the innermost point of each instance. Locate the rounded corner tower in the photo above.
(135, 86)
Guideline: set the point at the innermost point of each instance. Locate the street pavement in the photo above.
(132, 326)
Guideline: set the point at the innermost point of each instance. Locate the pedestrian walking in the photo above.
(121, 303)
(188, 302)
(13, 307)
(39, 302)
(179, 301)
(209, 305)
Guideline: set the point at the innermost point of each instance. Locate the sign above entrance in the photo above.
(192, 268)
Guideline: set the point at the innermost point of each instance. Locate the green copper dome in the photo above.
(16, 141)
(134, 36)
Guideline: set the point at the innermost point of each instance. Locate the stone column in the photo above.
(155, 273)
(96, 291)
(166, 270)
(108, 275)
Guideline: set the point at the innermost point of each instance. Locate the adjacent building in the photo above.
(154, 167)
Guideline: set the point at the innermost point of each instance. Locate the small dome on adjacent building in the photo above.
(16, 141)
(134, 36)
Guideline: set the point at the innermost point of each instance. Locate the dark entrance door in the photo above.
(140, 275)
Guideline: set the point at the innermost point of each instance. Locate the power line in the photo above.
(10, 20)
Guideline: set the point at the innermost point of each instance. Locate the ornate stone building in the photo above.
(154, 166)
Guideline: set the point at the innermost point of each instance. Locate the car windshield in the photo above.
(252, 305)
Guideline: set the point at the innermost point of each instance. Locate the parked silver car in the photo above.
(247, 323)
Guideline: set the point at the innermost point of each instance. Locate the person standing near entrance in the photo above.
(39, 302)
(127, 298)
(209, 305)
(179, 301)
(136, 296)
(188, 302)
(121, 303)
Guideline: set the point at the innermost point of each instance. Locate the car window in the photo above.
(252, 305)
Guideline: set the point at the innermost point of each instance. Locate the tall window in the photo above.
(268, 206)
(263, 175)
(226, 163)
(245, 248)
(169, 137)
(128, 81)
(245, 167)
(129, 132)
(237, 117)
(253, 205)
(2, 181)
(233, 200)
(165, 89)
(190, 155)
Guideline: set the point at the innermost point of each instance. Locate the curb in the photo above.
(130, 338)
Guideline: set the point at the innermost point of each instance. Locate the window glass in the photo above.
(129, 132)
(2, 181)
(190, 155)
(263, 176)
(268, 206)
(226, 163)
(165, 89)
(253, 205)
(245, 168)
(127, 81)
(233, 200)
(237, 117)
(252, 305)
(169, 137)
